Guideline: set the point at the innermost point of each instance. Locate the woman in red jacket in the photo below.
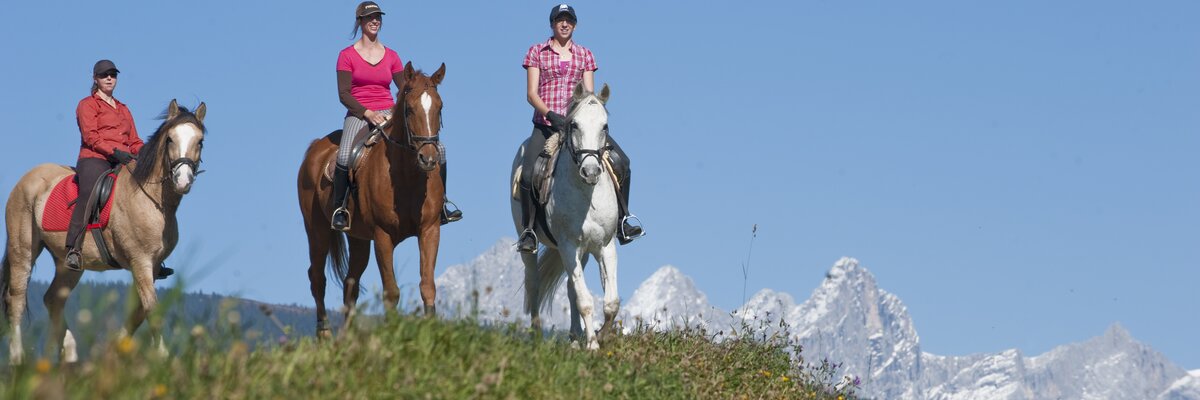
(108, 137)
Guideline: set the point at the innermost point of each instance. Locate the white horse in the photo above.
(582, 219)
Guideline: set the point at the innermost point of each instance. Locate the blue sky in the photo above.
(1021, 174)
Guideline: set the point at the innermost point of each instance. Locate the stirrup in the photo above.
(77, 265)
(342, 210)
(528, 232)
(625, 238)
(449, 215)
(163, 272)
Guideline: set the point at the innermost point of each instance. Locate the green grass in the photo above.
(413, 357)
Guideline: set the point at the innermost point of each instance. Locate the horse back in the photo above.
(29, 196)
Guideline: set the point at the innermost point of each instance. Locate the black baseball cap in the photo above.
(103, 66)
(367, 8)
(560, 10)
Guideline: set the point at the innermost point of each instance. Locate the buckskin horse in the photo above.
(399, 195)
(141, 231)
(580, 219)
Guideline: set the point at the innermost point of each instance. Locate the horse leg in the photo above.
(533, 295)
(608, 280)
(428, 241)
(143, 283)
(318, 249)
(576, 333)
(573, 260)
(60, 342)
(360, 253)
(384, 247)
(23, 248)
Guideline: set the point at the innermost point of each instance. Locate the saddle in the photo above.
(56, 215)
(358, 151)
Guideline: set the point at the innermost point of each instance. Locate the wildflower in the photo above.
(784, 378)
(43, 365)
(160, 390)
(125, 345)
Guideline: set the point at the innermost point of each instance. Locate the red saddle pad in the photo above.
(57, 214)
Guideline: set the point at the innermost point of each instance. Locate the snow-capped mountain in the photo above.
(849, 319)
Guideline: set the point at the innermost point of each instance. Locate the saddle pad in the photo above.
(57, 214)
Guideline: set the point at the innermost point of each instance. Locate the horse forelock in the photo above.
(153, 150)
(420, 96)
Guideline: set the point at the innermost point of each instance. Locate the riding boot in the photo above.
(527, 243)
(340, 221)
(629, 231)
(448, 215)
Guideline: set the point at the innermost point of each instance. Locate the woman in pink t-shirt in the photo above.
(365, 72)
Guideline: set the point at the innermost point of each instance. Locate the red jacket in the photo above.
(104, 128)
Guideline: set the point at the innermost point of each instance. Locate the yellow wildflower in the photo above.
(160, 390)
(43, 365)
(125, 345)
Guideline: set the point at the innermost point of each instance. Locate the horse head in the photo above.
(587, 137)
(173, 152)
(420, 109)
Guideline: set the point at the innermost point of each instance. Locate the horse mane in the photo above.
(148, 157)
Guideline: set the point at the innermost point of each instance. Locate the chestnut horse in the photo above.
(141, 232)
(399, 195)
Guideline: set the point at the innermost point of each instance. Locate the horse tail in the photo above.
(550, 274)
(339, 258)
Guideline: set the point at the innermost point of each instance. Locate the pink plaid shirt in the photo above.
(555, 83)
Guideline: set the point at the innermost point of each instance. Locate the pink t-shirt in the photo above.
(370, 84)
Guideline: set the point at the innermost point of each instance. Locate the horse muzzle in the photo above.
(427, 163)
(590, 171)
(183, 174)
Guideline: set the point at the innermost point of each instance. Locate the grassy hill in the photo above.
(227, 348)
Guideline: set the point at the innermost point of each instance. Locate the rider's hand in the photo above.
(557, 121)
(122, 156)
(375, 118)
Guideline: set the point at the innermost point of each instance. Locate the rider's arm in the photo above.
(589, 81)
(343, 83)
(135, 141)
(531, 89)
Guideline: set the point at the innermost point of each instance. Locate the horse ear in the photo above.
(408, 71)
(201, 109)
(579, 91)
(172, 110)
(604, 92)
(437, 76)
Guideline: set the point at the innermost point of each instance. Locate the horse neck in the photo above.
(154, 190)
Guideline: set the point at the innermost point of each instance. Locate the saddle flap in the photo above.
(359, 150)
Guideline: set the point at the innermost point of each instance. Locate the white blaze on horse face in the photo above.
(187, 137)
(427, 104)
(590, 119)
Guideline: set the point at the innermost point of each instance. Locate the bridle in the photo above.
(578, 155)
(412, 142)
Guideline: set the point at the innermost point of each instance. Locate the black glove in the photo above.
(557, 121)
(123, 156)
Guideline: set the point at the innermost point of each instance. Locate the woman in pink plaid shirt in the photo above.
(553, 68)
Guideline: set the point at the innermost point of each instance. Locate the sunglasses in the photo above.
(103, 75)
(369, 17)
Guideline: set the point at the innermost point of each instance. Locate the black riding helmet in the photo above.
(561, 9)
